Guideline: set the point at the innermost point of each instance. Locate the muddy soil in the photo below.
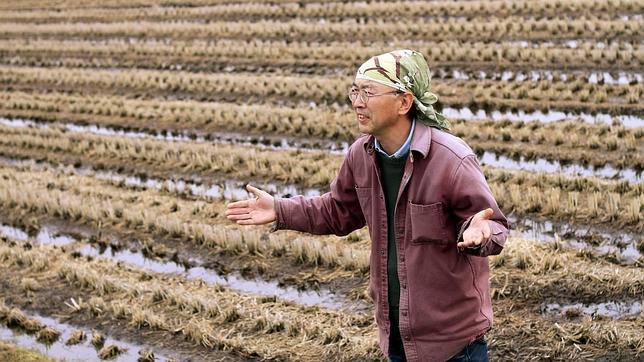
(351, 285)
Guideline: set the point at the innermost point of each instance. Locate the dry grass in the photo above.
(48, 335)
(532, 272)
(333, 10)
(479, 35)
(146, 356)
(329, 90)
(9, 352)
(324, 57)
(211, 317)
(531, 196)
(93, 207)
(111, 351)
(217, 317)
(452, 29)
(566, 141)
(77, 337)
(98, 339)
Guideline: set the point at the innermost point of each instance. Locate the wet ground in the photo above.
(623, 245)
(291, 143)
(83, 351)
(190, 265)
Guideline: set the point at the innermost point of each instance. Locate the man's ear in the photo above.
(406, 102)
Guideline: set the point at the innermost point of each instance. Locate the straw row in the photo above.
(15, 318)
(118, 190)
(337, 10)
(524, 262)
(143, 304)
(170, 217)
(109, 4)
(199, 54)
(621, 206)
(192, 308)
(577, 95)
(239, 162)
(565, 141)
(453, 29)
(211, 317)
(534, 272)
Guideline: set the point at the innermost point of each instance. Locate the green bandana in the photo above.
(406, 71)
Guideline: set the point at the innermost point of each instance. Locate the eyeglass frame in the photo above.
(361, 92)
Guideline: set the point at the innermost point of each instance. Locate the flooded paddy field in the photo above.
(125, 129)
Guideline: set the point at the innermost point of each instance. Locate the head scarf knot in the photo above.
(406, 71)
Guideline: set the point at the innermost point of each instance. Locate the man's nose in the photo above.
(358, 103)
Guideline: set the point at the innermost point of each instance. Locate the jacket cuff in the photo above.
(493, 245)
(279, 223)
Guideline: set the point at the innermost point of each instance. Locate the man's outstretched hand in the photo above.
(256, 211)
(478, 231)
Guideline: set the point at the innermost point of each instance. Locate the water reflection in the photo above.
(570, 169)
(59, 350)
(622, 245)
(608, 309)
(594, 77)
(234, 281)
(466, 113)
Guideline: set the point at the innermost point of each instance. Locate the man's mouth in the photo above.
(362, 117)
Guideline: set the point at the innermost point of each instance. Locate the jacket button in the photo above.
(407, 338)
(404, 286)
(404, 313)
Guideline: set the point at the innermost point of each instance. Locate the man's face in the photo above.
(378, 113)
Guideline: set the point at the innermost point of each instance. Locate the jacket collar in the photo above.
(420, 142)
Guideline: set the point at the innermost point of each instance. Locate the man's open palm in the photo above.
(255, 211)
(478, 231)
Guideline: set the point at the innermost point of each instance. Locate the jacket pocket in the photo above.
(364, 197)
(428, 223)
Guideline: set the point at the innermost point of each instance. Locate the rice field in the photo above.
(127, 126)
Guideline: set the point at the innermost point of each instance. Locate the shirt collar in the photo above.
(402, 151)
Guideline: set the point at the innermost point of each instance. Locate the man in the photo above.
(431, 215)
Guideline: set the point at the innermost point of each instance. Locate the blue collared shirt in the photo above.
(402, 151)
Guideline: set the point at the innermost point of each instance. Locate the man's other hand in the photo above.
(256, 211)
(478, 231)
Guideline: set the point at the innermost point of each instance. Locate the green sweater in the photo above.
(391, 172)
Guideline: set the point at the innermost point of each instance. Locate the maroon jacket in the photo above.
(444, 294)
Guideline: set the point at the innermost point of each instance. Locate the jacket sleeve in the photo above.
(469, 195)
(336, 212)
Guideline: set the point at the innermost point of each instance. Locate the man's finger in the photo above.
(486, 230)
(246, 222)
(242, 203)
(255, 191)
(237, 211)
(239, 217)
(465, 244)
(474, 240)
(484, 215)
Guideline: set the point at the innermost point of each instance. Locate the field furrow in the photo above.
(575, 96)
(127, 127)
(306, 57)
(533, 195)
(215, 318)
(571, 141)
(333, 10)
(204, 315)
(454, 29)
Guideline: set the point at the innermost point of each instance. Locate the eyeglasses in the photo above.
(365, 94)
